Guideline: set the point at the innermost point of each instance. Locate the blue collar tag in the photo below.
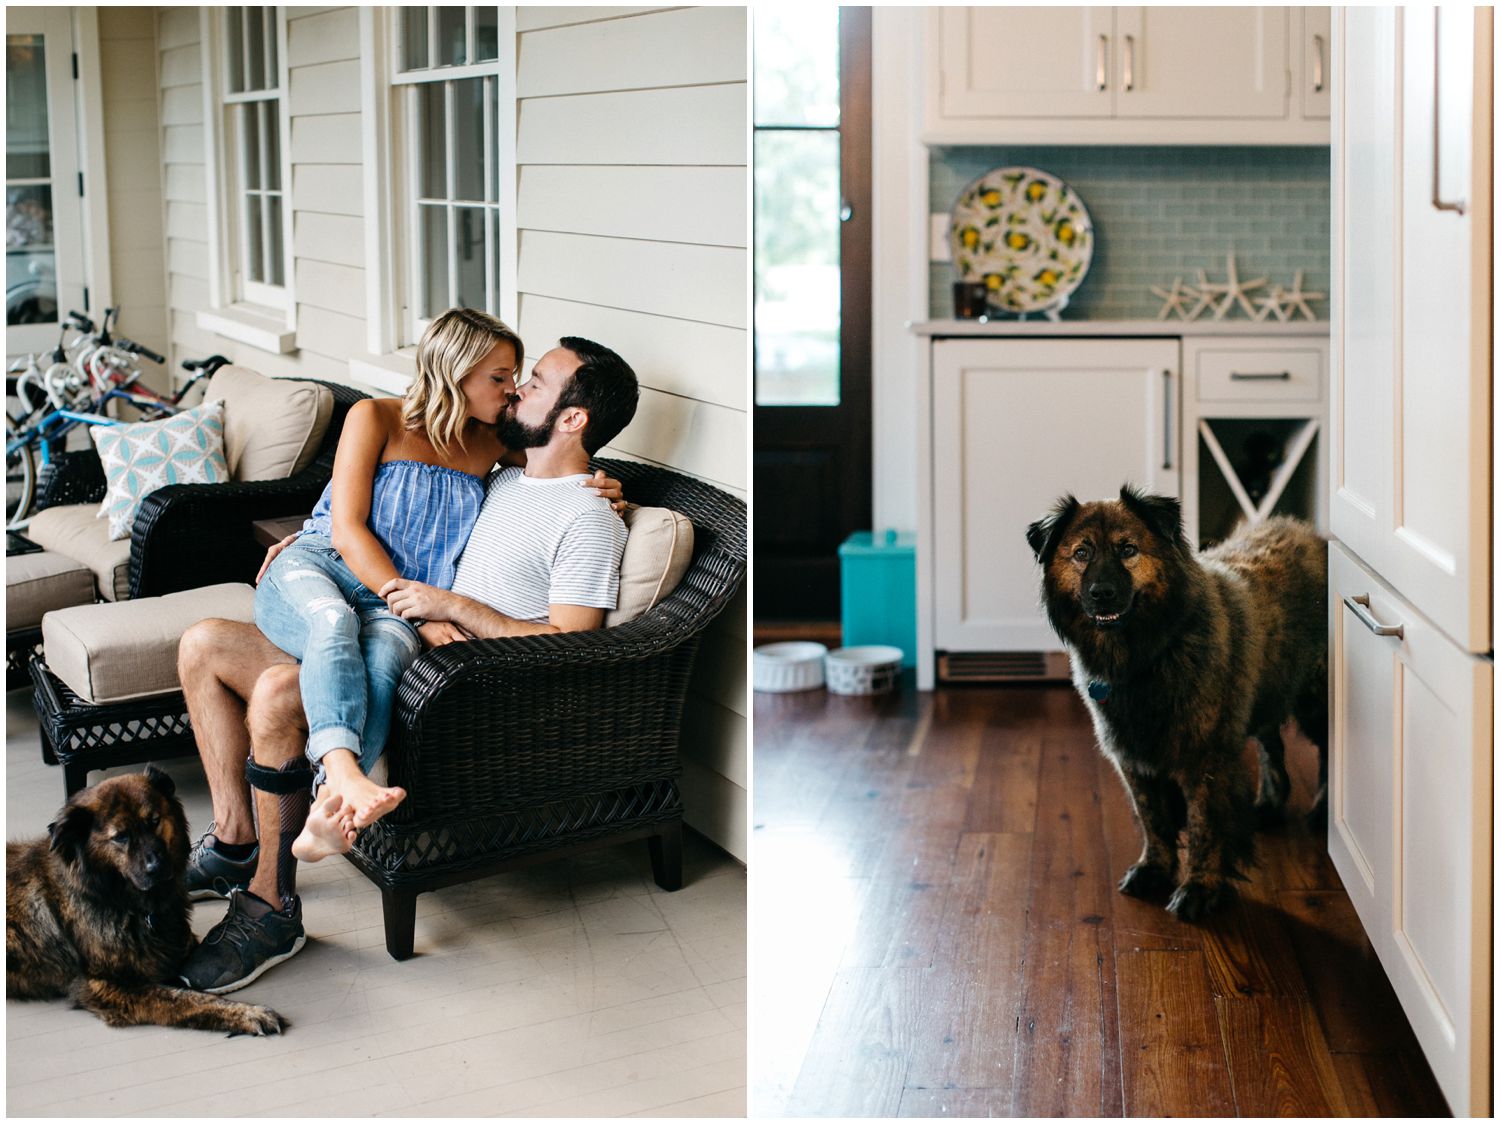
(1098, 691)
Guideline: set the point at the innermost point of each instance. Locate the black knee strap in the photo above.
(279, 782)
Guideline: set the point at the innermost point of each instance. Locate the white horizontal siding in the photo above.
(332, 238)
(332, 138)
(667, 204)
(626, 54)
(532, 18)
(337, 288)
(331, 36)
(697, 125)
(330, 87)
(683, 432)
(329, 189)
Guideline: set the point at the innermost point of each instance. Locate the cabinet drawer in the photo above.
(1260, 375)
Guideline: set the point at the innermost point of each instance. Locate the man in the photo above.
(544, 556)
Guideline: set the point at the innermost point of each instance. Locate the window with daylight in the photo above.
(253, 100)
(446, 113)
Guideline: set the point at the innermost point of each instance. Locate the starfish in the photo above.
(1175, 296)
(1273, 304)
(1206, 292)
(1297, 299)
(1237, 291)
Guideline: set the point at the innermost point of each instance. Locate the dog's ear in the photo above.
(1042, 535)
(1163, 514)
(161, 780)
(70, 831)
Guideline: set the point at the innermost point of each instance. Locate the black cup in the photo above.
(971, 299)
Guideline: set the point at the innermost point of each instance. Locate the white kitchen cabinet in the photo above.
(1314, 83)
(1015, 425)
(1410, 779)
(1127, 75)
(1411, 510)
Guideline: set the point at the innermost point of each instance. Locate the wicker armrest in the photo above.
(191, 535)
(70, 478)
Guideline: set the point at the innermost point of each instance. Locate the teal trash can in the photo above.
(879, 591)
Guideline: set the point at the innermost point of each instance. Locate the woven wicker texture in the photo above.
(516, 745)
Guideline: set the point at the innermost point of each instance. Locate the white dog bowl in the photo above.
(871, 669)
(796, 665)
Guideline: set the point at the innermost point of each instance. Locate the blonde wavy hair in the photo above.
(453, 343)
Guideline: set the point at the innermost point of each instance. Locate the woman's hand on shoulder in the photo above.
(608, 487)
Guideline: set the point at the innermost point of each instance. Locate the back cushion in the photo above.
(657, 554)
(273, 428)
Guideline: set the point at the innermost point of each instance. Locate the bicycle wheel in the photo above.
(20, 479)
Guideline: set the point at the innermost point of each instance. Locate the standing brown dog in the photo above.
(98, 911)
(1181, 657)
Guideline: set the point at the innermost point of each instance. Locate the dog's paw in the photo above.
(1193, 901)
(1145, 880)
(259, 1021)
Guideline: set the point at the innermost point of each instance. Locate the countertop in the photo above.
(1273, 329)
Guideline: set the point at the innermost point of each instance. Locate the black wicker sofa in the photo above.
(521, 750)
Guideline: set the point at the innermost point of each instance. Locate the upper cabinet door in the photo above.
(1316, 45)
(1201, 62)
(1025, 62)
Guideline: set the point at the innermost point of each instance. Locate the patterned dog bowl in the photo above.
(871, 669)
(796, 665)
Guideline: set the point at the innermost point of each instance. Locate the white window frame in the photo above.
(252, 312)
(392, 179)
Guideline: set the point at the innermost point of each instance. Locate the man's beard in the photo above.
(517, 435)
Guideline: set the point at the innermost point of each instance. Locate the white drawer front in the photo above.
(1236, 375)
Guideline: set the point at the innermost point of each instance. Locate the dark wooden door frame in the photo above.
(818, 457)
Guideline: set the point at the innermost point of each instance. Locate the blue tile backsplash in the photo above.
(1164, 212)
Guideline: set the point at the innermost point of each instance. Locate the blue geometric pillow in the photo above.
(187, 448)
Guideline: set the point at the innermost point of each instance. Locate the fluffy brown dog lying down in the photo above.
(1179, 658)
(97, 911)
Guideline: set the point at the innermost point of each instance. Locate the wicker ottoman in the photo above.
(107, 692)
(37, 582)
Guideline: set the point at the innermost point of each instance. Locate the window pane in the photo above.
(797, 65)
(434, 260)
(486, 33)
(493, 233)
(270, 116)
(249, 114)
(273, 220)
(273, 78)
(255, 38)
(470, 250)
(234, 48)
(413, 38)
(432, 161)
(468, 139)
(450, 35)
(494, 184)
(797, 268)
(255, 269)
(30, 264)
(26, 154)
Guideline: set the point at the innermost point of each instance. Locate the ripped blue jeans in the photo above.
(352, 648)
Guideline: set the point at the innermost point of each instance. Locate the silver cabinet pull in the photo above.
(1360, 607)
(1130, 62)
(1245, 376)
(1101, 78)
(1166, 419)
(1317, 64)
(1437, 201)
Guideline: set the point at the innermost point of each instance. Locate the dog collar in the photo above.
(1098, 691)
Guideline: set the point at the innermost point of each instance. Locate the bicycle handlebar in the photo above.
(205, 366)
(138, 349)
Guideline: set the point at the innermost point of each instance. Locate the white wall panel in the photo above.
(330, 87)
(182, 144)
(180, 65)
(683, 357)
(184, 183)
(332, 238)
(695, 437)
(684, 47)
(187, 258)
(533, 17)
(181, 105)
(720, 675)
(187, 220)
(330, 189)
(332, 138)
(696, 282)
(330, 36)
(338, 288)
(176, 27)
(693, 125)
(329, 333)
(669, 204)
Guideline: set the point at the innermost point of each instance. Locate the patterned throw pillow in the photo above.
(187, 448)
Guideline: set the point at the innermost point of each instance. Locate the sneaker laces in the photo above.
(236, 928)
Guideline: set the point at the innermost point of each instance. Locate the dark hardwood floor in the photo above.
(936, 932)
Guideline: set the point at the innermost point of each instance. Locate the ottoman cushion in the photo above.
(40, 582)
(111, 652)
(76, 531)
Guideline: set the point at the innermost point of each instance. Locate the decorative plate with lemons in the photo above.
(1026, 235)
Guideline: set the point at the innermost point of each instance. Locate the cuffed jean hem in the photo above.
(321, 742)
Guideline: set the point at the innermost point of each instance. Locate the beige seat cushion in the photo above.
(77, 532)
(40, 582)
(272, 427)
(128, 650)
(657, 554)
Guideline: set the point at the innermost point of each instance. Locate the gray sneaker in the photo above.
(211, 874)
(252, 937)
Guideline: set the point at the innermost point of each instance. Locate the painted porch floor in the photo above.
(959, 948)
(577, 988)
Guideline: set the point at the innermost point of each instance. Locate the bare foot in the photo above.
(329, 829)
(369, 800)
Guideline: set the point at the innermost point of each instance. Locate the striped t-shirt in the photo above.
(542, 542)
